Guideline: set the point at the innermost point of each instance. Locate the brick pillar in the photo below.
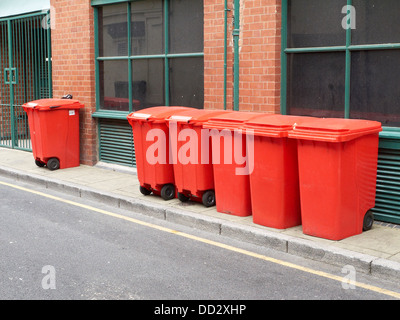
(214, 55)
(260, 65)
(72, 41)
(259, 47)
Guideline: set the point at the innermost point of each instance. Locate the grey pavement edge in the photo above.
(369, 264)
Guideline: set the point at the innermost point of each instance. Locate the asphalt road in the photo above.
(58, 247)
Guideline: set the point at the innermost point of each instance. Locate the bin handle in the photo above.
(144, 116)
(53, 107)
(181, 118)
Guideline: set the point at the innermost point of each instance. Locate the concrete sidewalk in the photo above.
(376, 252)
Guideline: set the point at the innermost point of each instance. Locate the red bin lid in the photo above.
(231, 120)
(274, 125)
(155, 114)
(53, 104)
(334, 130)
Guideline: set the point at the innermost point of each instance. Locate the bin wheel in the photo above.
(144, 191)
(39, 163)
(368, 221)
(168, 192)
(182, 197)
(53, 164)
(208, 198)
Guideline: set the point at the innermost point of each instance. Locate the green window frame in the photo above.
(390, 132)
(130, 57)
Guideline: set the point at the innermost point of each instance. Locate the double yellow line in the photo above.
(207, 241)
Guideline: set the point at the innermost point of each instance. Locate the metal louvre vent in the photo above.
(116, 142)
(25, 74)
(387, 206)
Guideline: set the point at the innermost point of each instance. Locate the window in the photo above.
(335, 70)
(149, 53)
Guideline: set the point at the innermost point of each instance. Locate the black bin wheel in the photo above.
(208, 198)
(39, 163)
(368, 220)
(144, 191)
(182, 197)
(168, 191)
(53, 164)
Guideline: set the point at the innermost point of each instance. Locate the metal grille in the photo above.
(387, 206)
(116, 142)
(25, 66)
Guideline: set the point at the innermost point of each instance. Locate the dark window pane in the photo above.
(147, 27)
(114, 85)
(186, 26)
(113, 30)
(377, 21)
(148, 83)
(315, 23)
(316, 83)
(187, 82)
(375, 91)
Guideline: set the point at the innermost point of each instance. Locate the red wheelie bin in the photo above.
(230, 163)
(274, 181)
(337, 174)
(192, 155)
(152, 149)
(54, 130)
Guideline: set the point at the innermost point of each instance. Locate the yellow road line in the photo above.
(209, 242)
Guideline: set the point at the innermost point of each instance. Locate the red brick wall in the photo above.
(259, 47)
(73, 65)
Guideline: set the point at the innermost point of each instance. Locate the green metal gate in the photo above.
(25, 74)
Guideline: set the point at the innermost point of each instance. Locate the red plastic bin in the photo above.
(337, 172)
(232, 183)
(54, 130)
(154, 167)
(274, 181)
(192, 157)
